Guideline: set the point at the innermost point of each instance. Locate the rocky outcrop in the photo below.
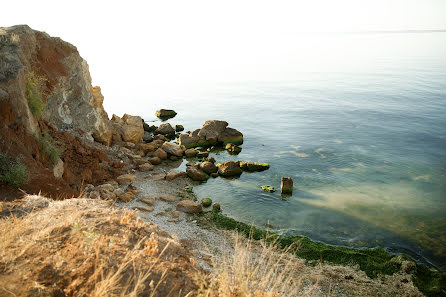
(128, 128)
(212, 133)
(72, 103)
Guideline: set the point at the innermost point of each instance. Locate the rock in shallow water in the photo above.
(165, 113)
(229, 168)
(286, 185)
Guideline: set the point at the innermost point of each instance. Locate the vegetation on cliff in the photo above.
(12, 170)
(34, 94)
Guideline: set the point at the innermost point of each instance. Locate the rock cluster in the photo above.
(212, 133)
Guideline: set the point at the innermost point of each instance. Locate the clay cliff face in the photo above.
(72, 103)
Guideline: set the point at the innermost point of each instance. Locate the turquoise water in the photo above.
(363, 136)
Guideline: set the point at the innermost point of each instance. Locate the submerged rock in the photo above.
(165, 114)
(253, 166)
(179, 128)
(229, 168)
(286, 185)
(232, 148)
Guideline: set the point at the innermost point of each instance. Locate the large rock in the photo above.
(191, 141)
(211, 130)
(132, 129)
(173, 149)
(161, 154)
(175, 174)
(191, 153)
(208, 167)
(125, 179)
(165, 113)
(231, 135)
(189, 206)
(229, 168)
(165, 129)
(196, 174)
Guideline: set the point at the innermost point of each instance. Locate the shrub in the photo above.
(50, 147)
(12, 171)
(34, 94)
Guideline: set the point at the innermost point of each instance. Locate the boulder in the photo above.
(125, 179)
(286, 185)
(58, 169)
(189, 206)
(126, 197)
(232, 148)
(165, 129)
(160, 153)
(196, 174)
(154, 160)
(253, 166)
(208, 167)
(133, 189)
(165, 113)
(175, 174)
(146, 167)
(148, 199)
(173, 149)
(229, 168)
(132, 129)
(191, 140)
(191, 153)
(231, 135)
(211, 130)
(216, 207)
(169, 198)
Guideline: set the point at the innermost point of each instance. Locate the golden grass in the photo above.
(81, 247)
(256, 269)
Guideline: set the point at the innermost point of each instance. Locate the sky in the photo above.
(135, 44)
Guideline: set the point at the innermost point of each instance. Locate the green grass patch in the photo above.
(372, 261)
(12, 171)
(34, 94)
(50, 147)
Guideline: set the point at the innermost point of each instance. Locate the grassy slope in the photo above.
(372, 261)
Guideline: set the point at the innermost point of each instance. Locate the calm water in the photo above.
(360, 129)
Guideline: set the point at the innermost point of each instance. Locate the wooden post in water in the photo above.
(286, 185)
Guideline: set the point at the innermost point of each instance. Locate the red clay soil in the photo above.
(82, 163)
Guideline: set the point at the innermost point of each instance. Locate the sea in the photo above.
(357, 120)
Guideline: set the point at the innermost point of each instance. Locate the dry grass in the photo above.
(81, 247)
(257, 269)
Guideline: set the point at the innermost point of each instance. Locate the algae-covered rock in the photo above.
(269, 189)
(286, 185)
(216, 207)
(178, 128)
(206, 202)
(165, 114)
(253, 166)
(166, 130)
(214, 175)
(232, 148)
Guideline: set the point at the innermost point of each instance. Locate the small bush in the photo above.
(34, 94)
(12, 171)
(50, 147)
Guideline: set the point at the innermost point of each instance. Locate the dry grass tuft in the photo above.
(83, 247)
(256, 269)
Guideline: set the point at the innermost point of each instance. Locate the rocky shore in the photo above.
(56, 140)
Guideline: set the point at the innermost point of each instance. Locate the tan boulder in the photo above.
(146, 167)
(165, 129)
(143, 208)
(125, 179)
(160, 153)
(196, 174)
(190, 153)
(154, 160)
(208, 167)
(126, 197)
(173, 149)
(189, 206)
(175, 174)
(229, 168)
(169, 198)
(148, 199)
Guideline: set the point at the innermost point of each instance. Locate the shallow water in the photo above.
(363, 136)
